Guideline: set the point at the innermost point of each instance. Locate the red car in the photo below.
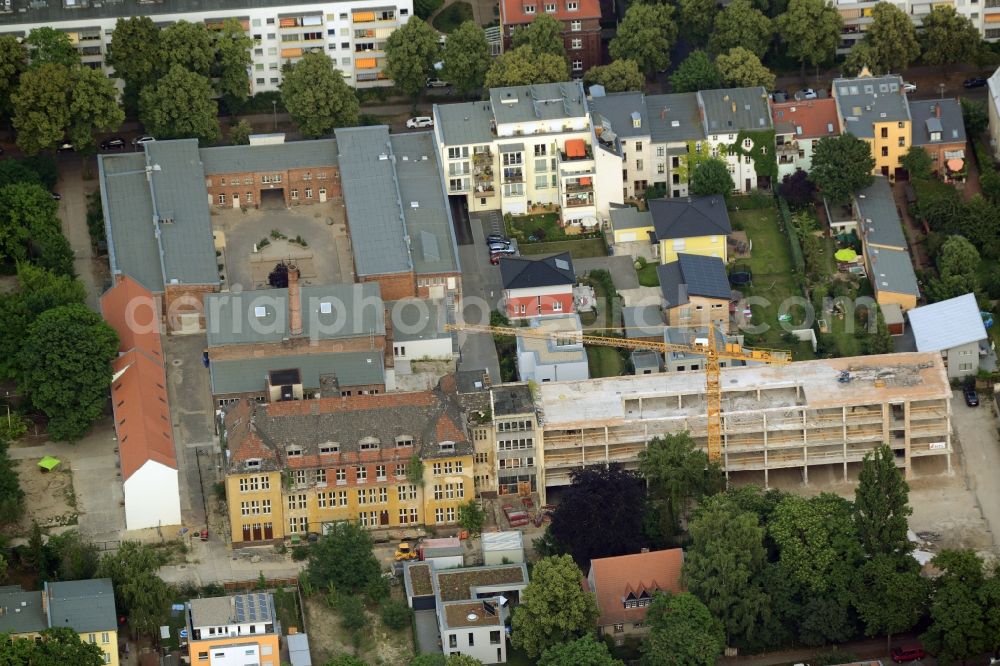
(907, 653)
(495, 259)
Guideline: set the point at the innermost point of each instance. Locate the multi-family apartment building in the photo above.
(857, 16)
(874, 108)
(85, 606)
(295, 465)
(352, 33)
(735, 120)
(799, 416)
(798, 126)
(581, 27)
(239, 629)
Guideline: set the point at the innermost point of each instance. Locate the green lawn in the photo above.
(579, 249)
(287, 606)
(544, 226)
(603, 361)
(176, 623)
(453, 16)
(648, 277)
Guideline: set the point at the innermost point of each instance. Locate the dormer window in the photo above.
(447, 446)
(368, 444)
(329, 447)
(404, 440)
(294, 451)
(253, 463)
(935, 136)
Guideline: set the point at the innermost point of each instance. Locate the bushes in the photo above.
(395, 615)
(989, 178)
(793, 239)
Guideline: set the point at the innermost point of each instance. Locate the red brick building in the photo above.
(581, 27)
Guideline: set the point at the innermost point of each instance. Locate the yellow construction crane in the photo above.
(703, 347)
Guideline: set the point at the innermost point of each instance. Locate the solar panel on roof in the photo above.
(428, 242)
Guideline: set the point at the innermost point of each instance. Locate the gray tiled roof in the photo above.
(279, 157)
(356, 310)
(693, 275)
(730, 110)
(464, 124)
(861, 102)
(371, 196)
(892, 271)
(615, 112)
(543, 101)
(630, 217)
(249, 375)
(528, 272)
(877, 204)
(674, 118)
(128, 215)
(83, 605)
(432, 244)
(417, 319)
(951, 124)
(642, 321)
(22, 611)
(687, 217)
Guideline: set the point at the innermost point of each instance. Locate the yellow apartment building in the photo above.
(875, 108)
(85, 606)
(296, 465)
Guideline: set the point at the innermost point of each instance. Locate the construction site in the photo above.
(795, 416)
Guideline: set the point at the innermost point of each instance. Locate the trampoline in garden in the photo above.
(744, 277)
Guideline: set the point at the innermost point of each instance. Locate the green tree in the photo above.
(180, 106)
(410, 53)
(645, 35)
(471, 516)
(346, 660)
(890, 595)
(712, 177)
(41, 107)
(975, 116)
(981, 224)
(134, 53)
(892, 39)
(522, 66)
(72, 557)
(881, 505)
(232, 51)
(723, 564)
(316, 96)
(11, 495)
(466, 57)
(189, 45)
(860, 56)
(13, 61)
(956, 264)
(917, 163)
(543, 35)
(342, 559)
(139, 591)
(395, 614)
(51, 250)
(841, 165)
(810, 30)
(948, 37)
(697, 19)
(584, 651)
(65, 368)
(48, 46)
(619, 76)
(93, 108)
(239, 134)
(54, 647)
(27, 218)
(459, 659)
(682, 633)
(677, 473)
(958, 623)
(697, 72)
(554, 608)
(740, 24)
(740, 68)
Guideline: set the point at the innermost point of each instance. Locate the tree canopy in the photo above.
(232, 50)
(810, 30)
(522, 66)
(696, 72)
(584, 651)
(543, 35)
(466, 57)
(711, 176)
(316, 96)
(881, 505)
(917, 163)
(958, 629)
(697, 19)
(740, 68)
(948, 37)
(956, 264)
(134, 53)
(180, 105)
(741, 24)
(55, 647)
(342, 559)
(140, 593)
(682, 633)
(619, 76)
(646, 35)
(410, 53)
(11, 495)
(13, 61)
(188, 45)
(841, 165)
(554, 608)
(48, 46)
(891, 38)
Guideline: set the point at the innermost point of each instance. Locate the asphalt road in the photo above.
(976, 428)
(481, 291)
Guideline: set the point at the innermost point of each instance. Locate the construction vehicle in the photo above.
(701, 346)
(405, 551)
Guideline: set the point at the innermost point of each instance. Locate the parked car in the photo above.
(806, 93)
(113, 143)
(65, 147)
(502, 250)
(437, 83)
(974, 82)
(56, 196)
(907, 653)
(497, 238)
(142, 139)
(971, 397)
(495, 258)
(498, 245)
(909, 87)
(420, 121)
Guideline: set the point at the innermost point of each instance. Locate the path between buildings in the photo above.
(73, 213)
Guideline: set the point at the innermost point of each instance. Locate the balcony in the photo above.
(583, 186)
(485, 191)
(586, 154)
(482, 159)
(579, 201)
(513, 176)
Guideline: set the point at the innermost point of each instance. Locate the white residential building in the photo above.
(727, 113)
(352, 33)
(858, 17)
(553, 359)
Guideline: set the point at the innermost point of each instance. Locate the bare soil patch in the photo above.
(48, 496)
(377, 646)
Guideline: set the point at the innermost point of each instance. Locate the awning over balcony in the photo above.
(576, 148)
(291, 53)
(992, 18)
(511, 148)
(365, 63)
(363, 16)
(288, 23)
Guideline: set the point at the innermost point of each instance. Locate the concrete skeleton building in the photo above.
(806, 414)
(352, 33)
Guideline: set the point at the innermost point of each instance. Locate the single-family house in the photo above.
(798, 125)
(625, 585)
(939, 129)
(955, 328)
(537, 287)
(695, 290)
(693, 225)
(874, 108)
(559, 356)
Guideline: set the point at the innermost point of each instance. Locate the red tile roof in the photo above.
(142, 415)
(134, 313)
(814, 117)
(613, 578)
(512, 11)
